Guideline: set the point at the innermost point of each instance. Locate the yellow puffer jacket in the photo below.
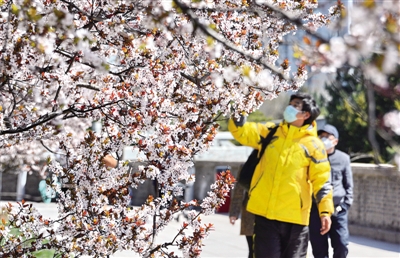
(294, 166)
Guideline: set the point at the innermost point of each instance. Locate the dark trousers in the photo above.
(338, 234)
(276, 239)
(250, 244)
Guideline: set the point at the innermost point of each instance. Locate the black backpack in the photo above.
(248, 168)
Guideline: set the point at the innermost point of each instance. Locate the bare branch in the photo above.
(50, 116)
(50, 150)
(195, 80)
(88, 86)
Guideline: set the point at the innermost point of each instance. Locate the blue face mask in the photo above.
(290, 114)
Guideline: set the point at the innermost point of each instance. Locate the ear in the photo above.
(306, 115)
(335, 142)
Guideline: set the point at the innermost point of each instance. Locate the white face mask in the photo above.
(328, 143)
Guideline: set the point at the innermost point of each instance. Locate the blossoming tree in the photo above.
(158, 74)
(371, 47)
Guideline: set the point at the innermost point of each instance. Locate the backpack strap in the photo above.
(265, 141)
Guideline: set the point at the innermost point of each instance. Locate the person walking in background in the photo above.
(342, 181)
(237, 208)
(47, 188)
(294, 167)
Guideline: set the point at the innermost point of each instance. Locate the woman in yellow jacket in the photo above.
(294, 166)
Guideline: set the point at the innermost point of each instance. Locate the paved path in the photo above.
(225, 241)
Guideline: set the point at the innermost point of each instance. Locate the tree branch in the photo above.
(49, 116)
(215, 35)
(50, 150)
(88, 86)
(295, 20)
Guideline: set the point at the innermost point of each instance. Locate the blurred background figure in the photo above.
(47, 188)
(187, 188)
(237, 209)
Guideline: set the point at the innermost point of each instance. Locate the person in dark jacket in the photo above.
(342, 182)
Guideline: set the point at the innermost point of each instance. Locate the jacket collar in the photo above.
(298, 132)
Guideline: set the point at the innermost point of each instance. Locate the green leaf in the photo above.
(33, 15)
(106, 66)
(60, 14)
(210, 41)
(44, 253)
(14, 9)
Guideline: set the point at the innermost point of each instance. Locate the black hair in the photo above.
(309, 105)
